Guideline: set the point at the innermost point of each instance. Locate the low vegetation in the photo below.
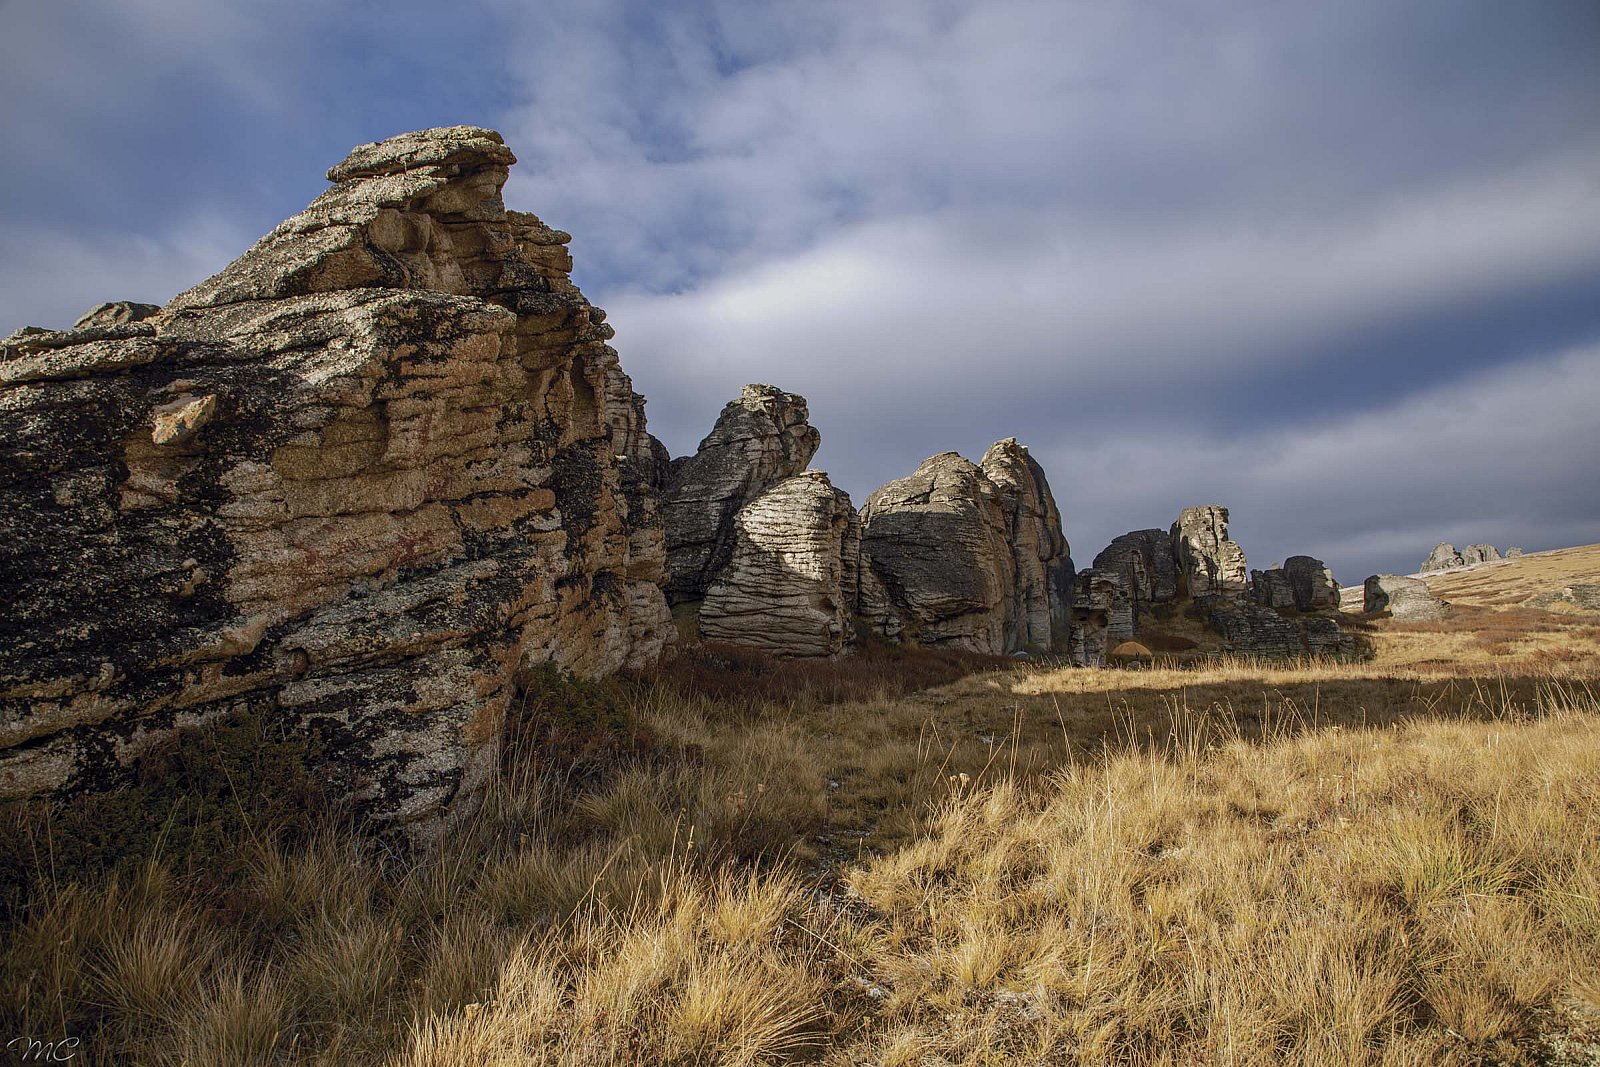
(898, 859)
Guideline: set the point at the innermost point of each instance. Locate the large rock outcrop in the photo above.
(355, 483)
(1404, 598)
(1255, 630)
(1479, 554)
(1443, 557)
(759, 440)
(1147, 566)
(784, 588)
(1209, 563)
(966, 556)
(1041, 607)
(1302, 583)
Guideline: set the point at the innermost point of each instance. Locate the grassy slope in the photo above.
(1393, 862)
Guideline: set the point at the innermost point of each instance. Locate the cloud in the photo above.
(1505, 457)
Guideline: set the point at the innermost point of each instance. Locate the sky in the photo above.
(1336, 266)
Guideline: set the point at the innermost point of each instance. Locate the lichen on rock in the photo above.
(356, 481)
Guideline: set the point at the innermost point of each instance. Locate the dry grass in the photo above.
(1514, 582)
(1312, 863)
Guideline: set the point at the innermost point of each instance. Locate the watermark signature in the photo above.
(32, 1050)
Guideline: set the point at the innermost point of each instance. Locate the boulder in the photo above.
(1479, 554)
(783, 588)
(1147, 565)
(357, 483)
(1513, 552)
(1443, 557)
(1209, 563)
(1404, 598)
(760, 439)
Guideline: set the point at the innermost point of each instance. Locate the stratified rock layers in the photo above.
(1209, 563)
(966, 556)
(759, 440)
(353, 483)
(782, 589)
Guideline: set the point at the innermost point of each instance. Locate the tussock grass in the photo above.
(1311, 863)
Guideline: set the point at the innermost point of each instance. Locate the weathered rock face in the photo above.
(966, 556)
(1041, 608)
(1302, 583)
(1102, 616)
(937, 546)
(783, 589)
(1147, 566)
(1312, 583)
(759, 440)
(1407, 599)
(1442, 558)
(353, 483)
(1479, 554)
(1209, 564)
(1254, 629)
(1271, 589)
(1513, 552)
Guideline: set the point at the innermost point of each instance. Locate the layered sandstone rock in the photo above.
(936, 545)
(1407, 599)
(784, 588)
(1258, 630)
(1040, 608)
(1102, 616)
(760, 439)
(1148, 568)
(354, 483)
(1209, 563)
(1442, 558)
(967, 556)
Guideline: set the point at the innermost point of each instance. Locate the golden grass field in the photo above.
(1392, 862)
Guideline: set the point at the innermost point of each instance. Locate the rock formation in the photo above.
(1301, 583)
(783, 589)
(1479, 554)
(1102, 616)
(759, 440)
(355, 483)
(1406, 599)
(963, 556)
(1513, 552)
(1209, 564)
(1443, 557)
(1148, 569)
(1253, 629)
(1044, 572)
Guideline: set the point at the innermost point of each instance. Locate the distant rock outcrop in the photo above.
(357, 483)
(1513, 552)
(954, 557)
(1144, 559)
(1443, 557)
(1209, 563)
(783, 589)
(1406, 599)
(1479, 554)
(759, 440)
